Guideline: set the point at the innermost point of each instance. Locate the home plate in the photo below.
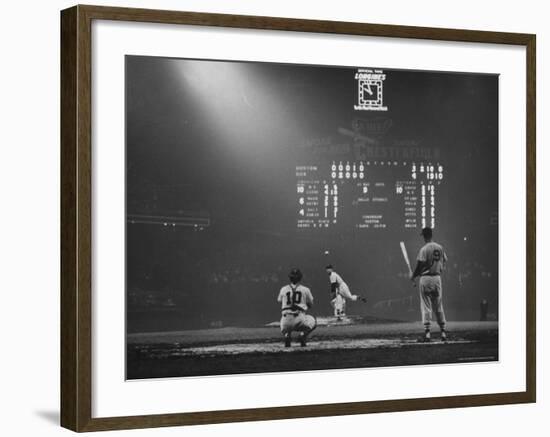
(278, 347)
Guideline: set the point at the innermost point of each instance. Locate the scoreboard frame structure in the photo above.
(76, 217)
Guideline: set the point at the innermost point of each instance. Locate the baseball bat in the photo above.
(406, 256)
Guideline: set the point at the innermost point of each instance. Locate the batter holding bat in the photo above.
(430, 263)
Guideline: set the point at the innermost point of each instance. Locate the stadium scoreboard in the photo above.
(368, 194)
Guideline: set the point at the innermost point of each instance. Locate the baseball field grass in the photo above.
(238, 350)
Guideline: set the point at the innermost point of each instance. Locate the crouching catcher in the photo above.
(296, 300)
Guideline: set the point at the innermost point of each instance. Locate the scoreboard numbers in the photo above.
(381, 194)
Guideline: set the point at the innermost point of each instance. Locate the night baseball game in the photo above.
(285, 217)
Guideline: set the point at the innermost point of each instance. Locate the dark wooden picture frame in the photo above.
(76, 217)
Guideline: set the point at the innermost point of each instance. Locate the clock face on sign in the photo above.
(370, 93)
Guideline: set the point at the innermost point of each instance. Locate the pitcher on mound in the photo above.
(340, 291)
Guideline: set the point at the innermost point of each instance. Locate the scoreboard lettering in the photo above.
(378, 194)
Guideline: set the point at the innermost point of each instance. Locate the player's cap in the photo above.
(329, 266)
(427, 233)
(295, 275)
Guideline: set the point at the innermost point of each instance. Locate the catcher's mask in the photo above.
(295, 276)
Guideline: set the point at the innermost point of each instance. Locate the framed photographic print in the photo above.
(253, 203)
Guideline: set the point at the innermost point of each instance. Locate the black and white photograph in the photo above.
(287, 217)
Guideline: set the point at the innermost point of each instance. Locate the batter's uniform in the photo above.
(342, 287)
(294, 304)
(434, 258)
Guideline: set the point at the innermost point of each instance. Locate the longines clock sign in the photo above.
(370, 90)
